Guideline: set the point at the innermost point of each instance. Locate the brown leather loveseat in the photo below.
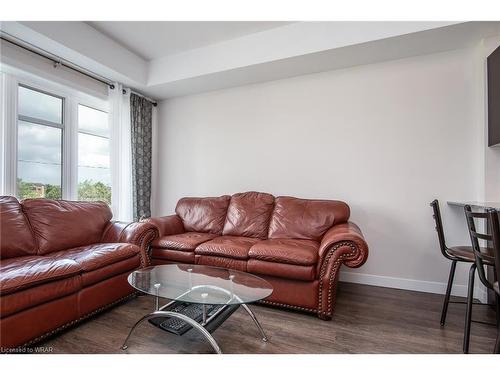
(60, 262)
(298, 245)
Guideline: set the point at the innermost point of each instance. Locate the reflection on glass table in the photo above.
(202, 297)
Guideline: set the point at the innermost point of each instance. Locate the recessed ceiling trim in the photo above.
(156, 39)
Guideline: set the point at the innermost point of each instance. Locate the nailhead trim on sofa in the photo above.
(331, 289)
(333, 275)
(142, 240)
(289, 306)
(146, 238)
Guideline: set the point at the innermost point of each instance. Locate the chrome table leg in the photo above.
(254, 318)
(170, 314)
(157, 297)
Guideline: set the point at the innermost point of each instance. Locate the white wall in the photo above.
(386, 138)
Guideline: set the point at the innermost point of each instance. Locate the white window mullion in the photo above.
(72, 147)
(66, 151)
(9, 132)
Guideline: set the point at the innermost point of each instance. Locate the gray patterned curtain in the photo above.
(141, 111)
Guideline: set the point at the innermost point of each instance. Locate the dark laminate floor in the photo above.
(367, 320)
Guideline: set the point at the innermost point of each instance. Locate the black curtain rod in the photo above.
(58, 61)
(55, 59)
(141, 95)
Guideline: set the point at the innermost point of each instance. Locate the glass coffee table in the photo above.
(202, 297)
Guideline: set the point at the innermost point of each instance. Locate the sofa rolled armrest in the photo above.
(347, 232)
(341, 244)
(167, 225)
(136, 233)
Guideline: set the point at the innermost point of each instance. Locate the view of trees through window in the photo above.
(30, 189)
(40, 146)
(88, 190)
(94, 176)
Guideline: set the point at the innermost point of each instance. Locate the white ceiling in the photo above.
(152, 40)
(285, 50)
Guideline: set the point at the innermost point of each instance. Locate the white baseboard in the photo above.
(409, 284)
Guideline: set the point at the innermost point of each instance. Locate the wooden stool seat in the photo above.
(466, 254)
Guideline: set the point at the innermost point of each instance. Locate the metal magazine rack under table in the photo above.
(202, 297)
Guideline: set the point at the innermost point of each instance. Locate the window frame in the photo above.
(11, 79)
(38, 121)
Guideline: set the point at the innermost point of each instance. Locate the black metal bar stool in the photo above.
(455, 254)
(488, 256)
(495, 234)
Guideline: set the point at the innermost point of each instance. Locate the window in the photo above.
(39, 144)
(94, 175)
(56, 142)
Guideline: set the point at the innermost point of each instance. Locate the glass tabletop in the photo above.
(200, 284)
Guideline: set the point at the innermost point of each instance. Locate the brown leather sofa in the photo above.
(298, 245)
(60, 262)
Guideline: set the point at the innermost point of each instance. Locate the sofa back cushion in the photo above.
(248, 215)
(60, 225)
(16, 238)
(306, 218)
(203, 214)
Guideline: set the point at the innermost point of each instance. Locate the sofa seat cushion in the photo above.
(103, 261)
(21, 273)
(39, 294)
(162, 256)
(96, 256)
(281, 270)
(221, 262)
(227, 247)
(182, 242)
(121, 267)
(289, 251)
